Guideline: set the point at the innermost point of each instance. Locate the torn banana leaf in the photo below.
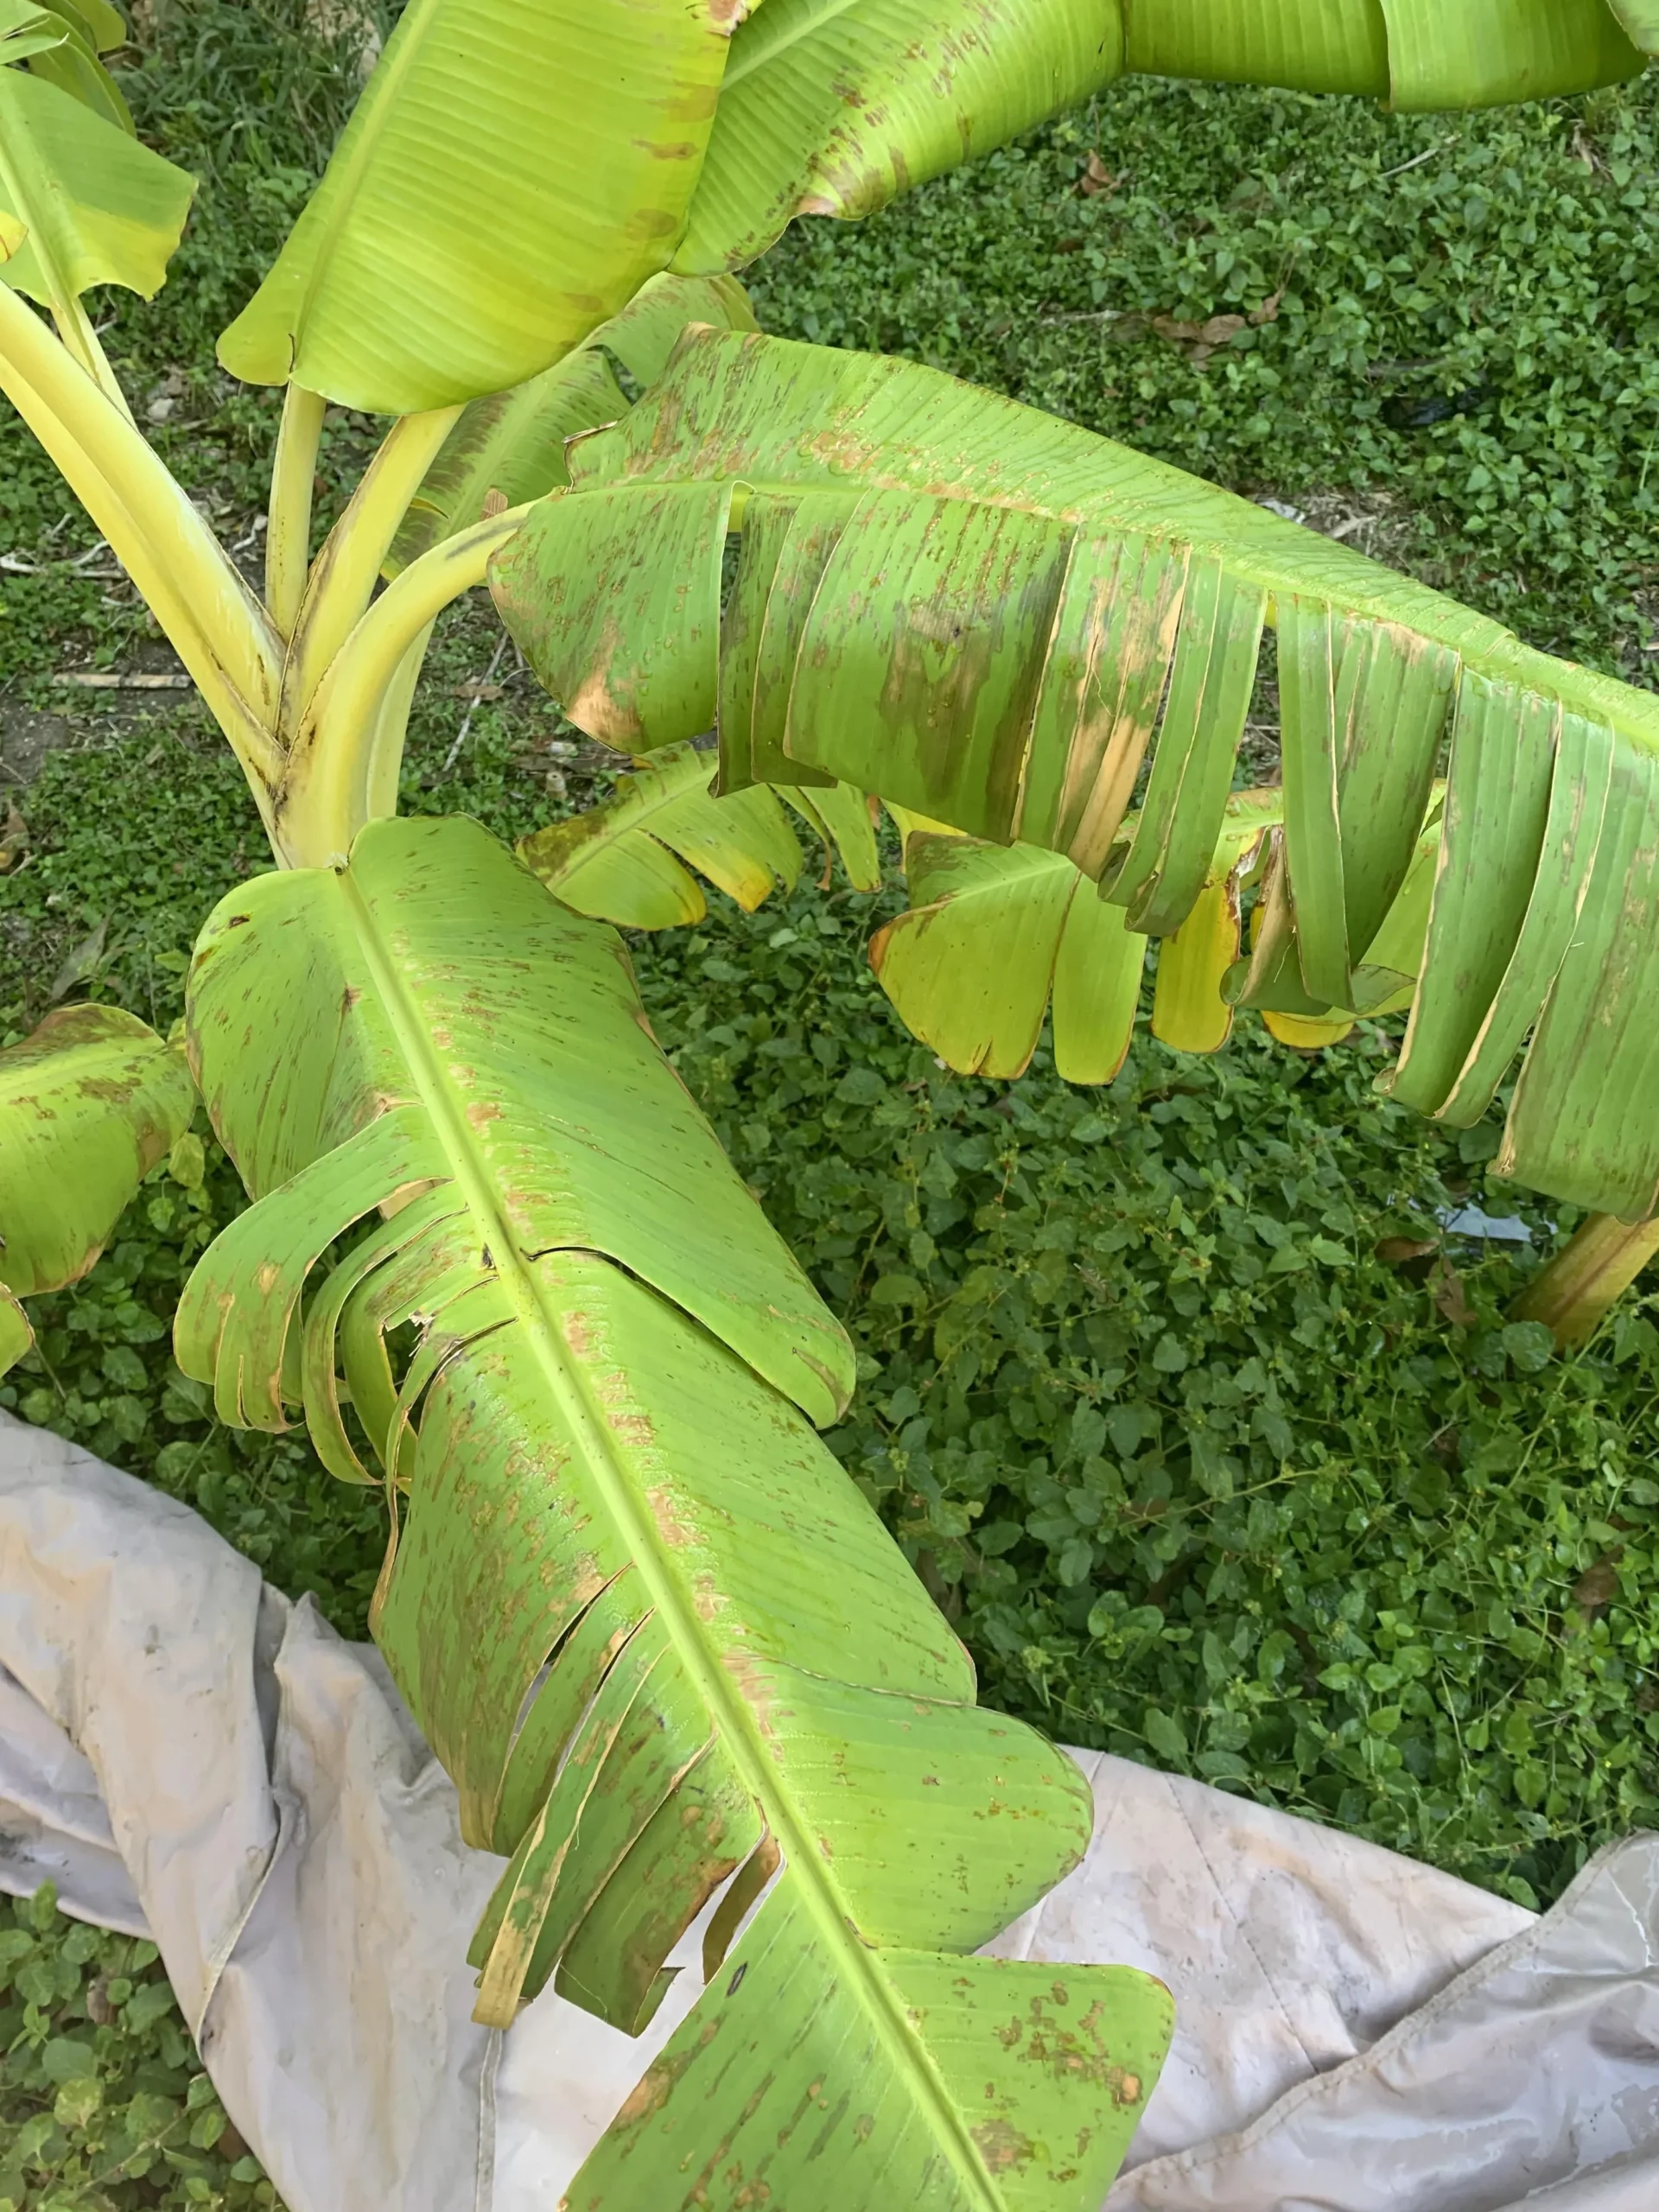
(995, 931)
(1000, 935)
(63, 43)
(655, 1634)
(629, 859)
(844, 819)
(89, 1102)
(993, 619)
(624, 859)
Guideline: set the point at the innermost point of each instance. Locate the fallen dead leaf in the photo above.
(1397, 1251)
(1597, 1586)
(1095, 178)
(14, 837)
(1446, 1288)
(1268, 310)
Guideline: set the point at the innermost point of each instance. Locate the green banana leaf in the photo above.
(1414, 53)
(89, 1102)
(618, 860)
(1640, 19)
(829, 108)
(510, 445)
(511, 177)
(61, 44)
(623, 1569)
(81, 201)
(834, 107)
(988, 616)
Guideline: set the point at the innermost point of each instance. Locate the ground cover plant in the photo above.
(939, 1320)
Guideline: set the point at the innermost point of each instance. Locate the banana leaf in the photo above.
(995, 931)
(629, 859)
(1414, 53)
(510, 177)
(829, 108)
(993, 618)
(617, 861)
(89, 1102)
(509, 445)
(834, 107)
(62, 44)
(998, 935)
(623, 1570)
(81, 201)
(1640, 19)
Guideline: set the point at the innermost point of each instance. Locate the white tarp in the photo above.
(183, 1752)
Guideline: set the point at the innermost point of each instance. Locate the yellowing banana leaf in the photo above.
(617, 861)
(509, 178)
(93, 205)
(655, 1634)
(994, 931)
(510, 445)
(991, 618)
(89, 1102)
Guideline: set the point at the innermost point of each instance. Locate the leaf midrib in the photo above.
(739, 1730)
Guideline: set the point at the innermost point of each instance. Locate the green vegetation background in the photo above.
(1198, 1476)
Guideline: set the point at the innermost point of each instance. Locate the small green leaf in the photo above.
(1164, 1734)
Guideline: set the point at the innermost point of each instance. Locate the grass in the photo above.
(1198, 1476)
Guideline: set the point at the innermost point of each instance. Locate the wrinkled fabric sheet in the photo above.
(186, 1753)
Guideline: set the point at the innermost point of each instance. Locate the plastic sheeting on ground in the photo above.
(183, 1752)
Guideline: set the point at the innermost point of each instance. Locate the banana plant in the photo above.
(494, 1259)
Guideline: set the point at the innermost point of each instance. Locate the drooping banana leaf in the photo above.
(656, 1634)
(509, 178)
(834, 107)
(89, 1102)
(617, 861)
(1414, 53)
(81, 201)
(510, 445)
(988, 616)
(842, 817)
(629, 859)
(997, 932)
